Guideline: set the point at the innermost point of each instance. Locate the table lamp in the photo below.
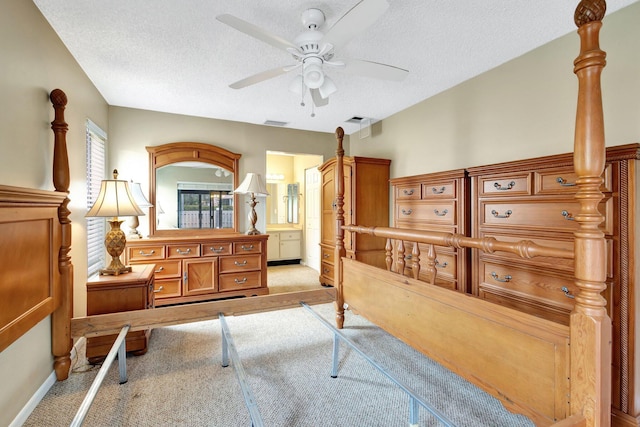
(115, 199)
(142, 202)
(253, 185)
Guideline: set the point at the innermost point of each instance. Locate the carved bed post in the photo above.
(590, 324)
(339, 249)
(61, 317)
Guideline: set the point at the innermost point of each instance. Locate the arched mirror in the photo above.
(191, 188)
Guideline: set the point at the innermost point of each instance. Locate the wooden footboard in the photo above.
(520, 359)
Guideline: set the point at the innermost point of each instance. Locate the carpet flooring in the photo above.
(287, 358)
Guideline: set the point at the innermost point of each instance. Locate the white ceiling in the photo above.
(174, 56)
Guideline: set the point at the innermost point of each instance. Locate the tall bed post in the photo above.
(61, 317)
(590, 324)
(339, 249)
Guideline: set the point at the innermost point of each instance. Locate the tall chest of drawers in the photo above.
(533, 200)
(192, 269)
(366, 202)
(436, 202)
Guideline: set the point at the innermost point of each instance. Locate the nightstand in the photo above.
(124, 292)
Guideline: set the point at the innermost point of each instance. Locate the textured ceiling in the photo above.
(174, 56)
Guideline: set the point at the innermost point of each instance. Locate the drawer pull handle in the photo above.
(406, 212)
(443, 213)
(325, 270)
(239, 282)
(217, 250)
(247, 248)
(507, 214)
(240, 263)
(563, 182)
(181, 252)
(408, 192)
(506, 279)
(508, 187)
(149, 254)
(438, 191)
(160, 289)
(159, 270)
(568, 216)
(567, 293)
(325, 255)
(443, 265)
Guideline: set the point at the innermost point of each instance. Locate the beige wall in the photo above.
(131, 130)
(524, 108)
(34, 62)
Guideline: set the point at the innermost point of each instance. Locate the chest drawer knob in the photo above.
(508, 187)
(217, 250)
(406, 211)
(181, 252)
(563, 182)
(568, 216)
(408, 192)
(159, 269)
(325, 255)
(247, 248)
(443, 213)
(506, 279)
(142, 253)
(438, 190)
(240, 264)
(443, 265)
(239, 282)
(160, 289)
(497, 214)
(567, 293)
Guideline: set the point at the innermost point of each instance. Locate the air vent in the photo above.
(275, 123)
(355, 119)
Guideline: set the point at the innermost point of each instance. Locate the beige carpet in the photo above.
(287, 358)
(289, 278)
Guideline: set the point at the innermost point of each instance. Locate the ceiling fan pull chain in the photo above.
(302, 91)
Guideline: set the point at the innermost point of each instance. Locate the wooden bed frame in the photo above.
(553, 374)
(549, 372)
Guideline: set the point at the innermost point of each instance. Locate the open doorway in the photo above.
(292, 229)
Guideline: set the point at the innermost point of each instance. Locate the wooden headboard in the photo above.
(36, 274)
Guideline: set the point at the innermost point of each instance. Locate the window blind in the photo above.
(96, 172)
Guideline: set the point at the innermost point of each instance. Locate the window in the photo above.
(96, 167)
(205, 209)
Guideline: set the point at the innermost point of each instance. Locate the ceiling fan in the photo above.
(314, 50)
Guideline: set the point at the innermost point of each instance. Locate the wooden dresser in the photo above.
(366, 202)
(125, 292)
(533, 199)
(436, 202)
(192, 269)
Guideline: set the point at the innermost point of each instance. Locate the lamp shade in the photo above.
(253, 183)
(138, 195)
(115, 199)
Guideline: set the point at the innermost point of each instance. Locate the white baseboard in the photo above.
(46, 385)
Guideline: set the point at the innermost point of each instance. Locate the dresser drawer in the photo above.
(167, 269)
(239, 263)
(446, 265)
(505, 185)
(326, 270)
(145, 253)
(217, 248)
(290, 235)
(166, 288)
(408, 192)
(327, 254)
(439, 190)
(235, 281)
(435, 212)
(247, 248)
(184, 250)
(540, 214)
(563, 180)
(530, 284)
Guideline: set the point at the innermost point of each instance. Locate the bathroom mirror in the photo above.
(282, 204)
(191, 189)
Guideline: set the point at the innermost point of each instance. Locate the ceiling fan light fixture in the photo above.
(313, 75)
(328, 88)
(296, 85)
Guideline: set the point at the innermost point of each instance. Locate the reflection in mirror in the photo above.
(292, 203)
(194, 195)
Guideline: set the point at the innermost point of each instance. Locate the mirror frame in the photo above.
(176, 152)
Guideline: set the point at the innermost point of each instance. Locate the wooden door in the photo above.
(200, 276)
(328, 206)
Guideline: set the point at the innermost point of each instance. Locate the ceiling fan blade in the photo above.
(355, 21)
(318, 100)
(375, 70)
(260, 77)
(255, 31)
